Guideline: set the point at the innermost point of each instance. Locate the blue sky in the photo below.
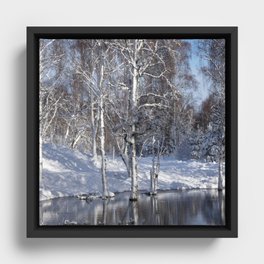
(195, 63)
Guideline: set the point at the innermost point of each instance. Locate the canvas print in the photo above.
(132, 132)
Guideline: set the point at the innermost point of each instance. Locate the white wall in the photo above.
(16, 15)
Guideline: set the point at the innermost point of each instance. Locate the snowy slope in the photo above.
(68, 172)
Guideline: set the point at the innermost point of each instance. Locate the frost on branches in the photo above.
(132, 99)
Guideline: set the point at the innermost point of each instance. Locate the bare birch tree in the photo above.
(49, 75)
(96, 78)
(145, 59)
(213, 51)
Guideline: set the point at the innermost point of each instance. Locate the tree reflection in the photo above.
(197, 207)
(133, 212)
(105, 204)
(130, 216)
(154, 210)
(221, 201)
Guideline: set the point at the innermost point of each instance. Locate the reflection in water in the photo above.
(195, 207)
(131, 216)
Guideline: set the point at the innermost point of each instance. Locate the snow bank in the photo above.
(68, 172)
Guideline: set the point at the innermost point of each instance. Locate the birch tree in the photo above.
(96, 78)
(86, 66)
(116, 94)
(157, 151)
(49, 76)
(213, 51)
(145, 60)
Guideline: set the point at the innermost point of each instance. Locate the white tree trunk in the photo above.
(154, 172)
(125, 157)
(40, 145)
(220, 177)
(174, 125)
(102, 147)
(133, 170)
(67, 134)
(113, 156)
(94, 127)
(151, 180)
(77, 138)
(133, 157)
(40, 160)
(105, 193)
(157, 168)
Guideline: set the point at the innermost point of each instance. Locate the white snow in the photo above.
(68, 172)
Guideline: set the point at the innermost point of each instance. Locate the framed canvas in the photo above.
(132, 132)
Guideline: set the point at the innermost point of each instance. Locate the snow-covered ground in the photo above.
(68, 172)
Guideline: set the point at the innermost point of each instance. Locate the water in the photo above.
(194, 207)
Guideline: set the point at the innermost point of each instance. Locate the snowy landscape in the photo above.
(127, 124)
(69, 172)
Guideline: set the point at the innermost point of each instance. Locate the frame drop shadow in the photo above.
(54, 244)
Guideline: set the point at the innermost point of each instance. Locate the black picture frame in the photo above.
(230, 229)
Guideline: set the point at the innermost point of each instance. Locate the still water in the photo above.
(194, 207)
